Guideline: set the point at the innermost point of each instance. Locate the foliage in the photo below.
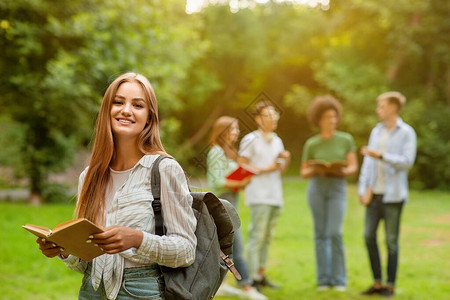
(218, 62)
(10, 131)
(54, 77)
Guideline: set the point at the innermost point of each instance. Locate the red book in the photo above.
(240, 174)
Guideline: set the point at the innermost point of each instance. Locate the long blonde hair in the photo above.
(220, 132)
(91, 201)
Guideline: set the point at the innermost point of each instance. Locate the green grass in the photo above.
(424, 271)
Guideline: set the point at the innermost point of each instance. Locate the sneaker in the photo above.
(252, 294)
(226, 290)
(340, 288)
(372, 290)
(322, 288)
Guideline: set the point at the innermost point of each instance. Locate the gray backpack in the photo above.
(216, 222)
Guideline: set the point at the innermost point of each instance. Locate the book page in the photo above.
(326, 164)
(39, 231)
(66, 224)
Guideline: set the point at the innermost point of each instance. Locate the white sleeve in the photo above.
(246, 146)
(177, 247)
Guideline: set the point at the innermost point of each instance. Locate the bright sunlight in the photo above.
(193, 6)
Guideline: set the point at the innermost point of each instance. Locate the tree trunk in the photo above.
(36, 180)
(207, 124)
(400, 55)
(35, 198)
(212, 116)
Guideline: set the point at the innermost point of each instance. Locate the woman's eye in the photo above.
(139, 106)
(117, 102)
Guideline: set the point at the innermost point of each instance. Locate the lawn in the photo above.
(424, 271)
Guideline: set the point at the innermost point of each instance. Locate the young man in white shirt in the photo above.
(263, 151)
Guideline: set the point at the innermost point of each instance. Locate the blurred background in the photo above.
(211, 58)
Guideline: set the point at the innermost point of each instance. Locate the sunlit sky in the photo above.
(193, 6)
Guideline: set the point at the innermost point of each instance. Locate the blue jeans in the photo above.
(238, 245)
(391, 213)
(263, 219)
(327, 200)
(143, 283)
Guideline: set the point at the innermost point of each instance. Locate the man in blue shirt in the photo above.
(383, 184)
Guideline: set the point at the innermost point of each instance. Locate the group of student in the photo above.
(383, 188)
(115, 192)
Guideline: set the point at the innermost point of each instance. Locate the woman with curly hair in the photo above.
(326, 191)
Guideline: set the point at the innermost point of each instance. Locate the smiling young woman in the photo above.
(114, 191)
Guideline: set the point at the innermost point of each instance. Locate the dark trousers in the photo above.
(390, 212)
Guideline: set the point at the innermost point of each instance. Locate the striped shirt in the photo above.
(131, 207)
(219, 166)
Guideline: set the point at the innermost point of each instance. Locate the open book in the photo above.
(333, 168)
(329, 165)
(240, 174)
(71, 236)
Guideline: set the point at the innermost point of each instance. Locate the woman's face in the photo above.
(233, 133)
(129, 111)
(328, 120)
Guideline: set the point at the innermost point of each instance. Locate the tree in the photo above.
(58, 57)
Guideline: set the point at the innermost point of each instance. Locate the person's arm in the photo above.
(285, 157)
(245, 162)
(352, 164)
(51, 250)
(366, 169)
(307, 171)
(238, 184)
(216, 165)
(364, 189)
(403, 161)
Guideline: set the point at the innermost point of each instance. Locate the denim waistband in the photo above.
(140, 272)
(137, 272)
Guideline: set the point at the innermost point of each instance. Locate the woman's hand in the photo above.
(49, 249)
(117, 238)
(244, 182)
(307, 170)
(236, 185)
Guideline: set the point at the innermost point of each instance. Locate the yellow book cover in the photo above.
(71, 235)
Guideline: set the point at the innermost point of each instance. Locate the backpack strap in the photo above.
(159, 222)
(230, 265)
(156, 191)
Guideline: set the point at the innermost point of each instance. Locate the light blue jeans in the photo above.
(263, 219)
(327, 200)
(238, 244)
(143, 283)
